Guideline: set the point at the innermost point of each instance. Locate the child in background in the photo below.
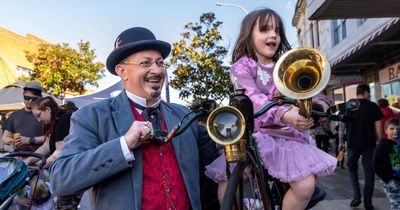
(387, 113)
(281, 134)
(39, 193)
(387, 163)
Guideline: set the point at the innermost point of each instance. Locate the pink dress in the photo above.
(284, 150)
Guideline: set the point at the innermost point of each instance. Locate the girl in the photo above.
(281, 133)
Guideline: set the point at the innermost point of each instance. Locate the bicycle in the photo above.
(236, 124)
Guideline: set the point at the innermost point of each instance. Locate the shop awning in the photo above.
(11, 97)
(347, 9)
(369, 40)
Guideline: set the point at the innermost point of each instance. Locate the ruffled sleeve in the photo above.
(243, 75)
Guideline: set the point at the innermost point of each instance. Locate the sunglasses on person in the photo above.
(30, 98)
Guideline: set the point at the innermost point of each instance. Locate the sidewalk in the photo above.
(340, 193)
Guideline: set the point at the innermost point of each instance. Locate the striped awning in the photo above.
(348, 9)
(369, 39)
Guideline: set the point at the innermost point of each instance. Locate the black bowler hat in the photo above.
(134, 40)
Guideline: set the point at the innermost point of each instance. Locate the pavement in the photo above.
(338, 188)
(340, 193)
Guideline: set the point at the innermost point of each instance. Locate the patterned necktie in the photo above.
(151, 114)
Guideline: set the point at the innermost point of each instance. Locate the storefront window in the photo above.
(391, 89)
(351, 92)
(372, 87)
(338, 96)
(396, 88)
(386, 90)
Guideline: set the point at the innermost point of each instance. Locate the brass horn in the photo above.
(300, 74)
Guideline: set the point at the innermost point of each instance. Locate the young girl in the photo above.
(281, 134)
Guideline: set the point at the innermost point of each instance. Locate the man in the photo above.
(109, 148)
(360, 131)
(22, 130)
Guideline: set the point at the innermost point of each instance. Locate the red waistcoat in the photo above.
(163, 186)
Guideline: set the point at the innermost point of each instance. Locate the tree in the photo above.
(60, 68)
(198, 59)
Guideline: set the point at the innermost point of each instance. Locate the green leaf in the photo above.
(198, 61)
(60, 68)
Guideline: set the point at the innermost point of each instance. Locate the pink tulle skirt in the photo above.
(286, 160)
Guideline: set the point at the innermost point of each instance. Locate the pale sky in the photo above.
(100, 21)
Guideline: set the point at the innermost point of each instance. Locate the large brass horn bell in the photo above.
(302, 73)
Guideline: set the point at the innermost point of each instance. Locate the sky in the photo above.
(101, 21)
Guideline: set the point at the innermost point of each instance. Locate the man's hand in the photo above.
(138, 134)
(299, 122)
(21, 141)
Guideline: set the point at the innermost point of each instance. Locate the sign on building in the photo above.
(390, 73)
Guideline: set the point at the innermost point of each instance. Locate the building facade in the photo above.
(13, 62)
(359, 50)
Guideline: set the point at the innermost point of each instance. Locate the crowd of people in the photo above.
(107, 148)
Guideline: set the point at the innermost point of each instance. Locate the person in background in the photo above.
(110, 150)
(387, 163)
(322, 133)
(69, 107)
(21, 129)
(56, 124)
(387, 114)
(360, 135)
(37, 196)
(337, 149)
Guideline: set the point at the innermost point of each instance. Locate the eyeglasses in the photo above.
(30, 98)
(146, 63)
(38, 115)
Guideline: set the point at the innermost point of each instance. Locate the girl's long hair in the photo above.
(56, 112)
(244, 44)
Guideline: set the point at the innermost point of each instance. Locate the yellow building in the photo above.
(13, 62)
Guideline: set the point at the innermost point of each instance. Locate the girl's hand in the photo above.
(294, 119)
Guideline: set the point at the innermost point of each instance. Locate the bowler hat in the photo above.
(134, 40)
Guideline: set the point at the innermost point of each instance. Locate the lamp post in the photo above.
(232, 5)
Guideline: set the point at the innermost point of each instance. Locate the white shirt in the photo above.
(128, 154)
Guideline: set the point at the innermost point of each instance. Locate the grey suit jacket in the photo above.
(92, 156)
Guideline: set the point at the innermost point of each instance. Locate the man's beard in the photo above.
(157, 92)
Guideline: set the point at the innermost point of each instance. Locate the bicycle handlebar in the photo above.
(163, 136)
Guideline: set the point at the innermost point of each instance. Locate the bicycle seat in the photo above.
(318, 195)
